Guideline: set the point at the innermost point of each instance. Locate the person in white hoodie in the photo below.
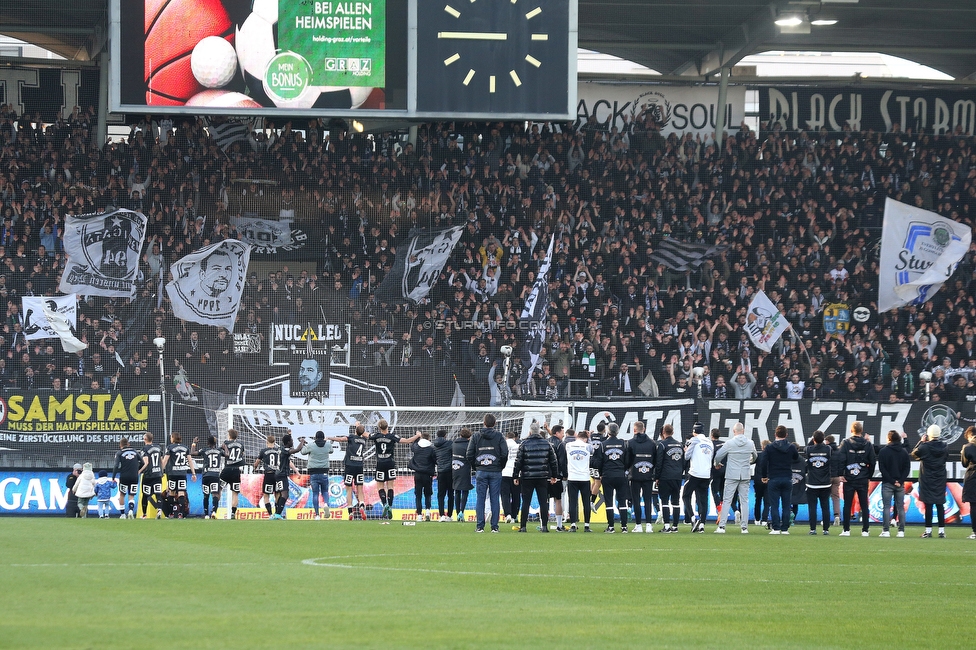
(699, 452)
(84, 489)
(737, 455)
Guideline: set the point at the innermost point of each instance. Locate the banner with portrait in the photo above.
(208, 284)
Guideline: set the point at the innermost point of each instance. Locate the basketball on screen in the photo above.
(173, 30)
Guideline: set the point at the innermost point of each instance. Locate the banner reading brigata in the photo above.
(49, 422)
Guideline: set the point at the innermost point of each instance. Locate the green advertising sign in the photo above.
(343, 42)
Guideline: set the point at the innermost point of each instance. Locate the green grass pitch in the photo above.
(282, 584)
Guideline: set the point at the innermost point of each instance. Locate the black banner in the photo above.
(834, 417)
(51, 92)
(809, 108)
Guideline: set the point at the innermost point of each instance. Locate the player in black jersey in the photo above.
(596, 439)
(353, 467)
(231, 474)
(269, 460)
(152, 475)
(284, 470)
(127, 463)
(177, 462)
(385, 443)
(213, 459)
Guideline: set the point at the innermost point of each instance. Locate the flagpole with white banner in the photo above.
(765, 323)
(919, 252)
(535, 312)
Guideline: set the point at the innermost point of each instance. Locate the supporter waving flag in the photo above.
(764, 322)
(535, 313)
(919, 251)
(103, 253)
(208, 284)
(418, 265)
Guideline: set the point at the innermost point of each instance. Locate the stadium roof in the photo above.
(691, 38)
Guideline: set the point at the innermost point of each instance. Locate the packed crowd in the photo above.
(799, 212)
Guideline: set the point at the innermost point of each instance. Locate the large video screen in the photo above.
(299, 56)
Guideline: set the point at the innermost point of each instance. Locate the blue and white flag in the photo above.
(208, 285)
(535, 314)
(919, 252)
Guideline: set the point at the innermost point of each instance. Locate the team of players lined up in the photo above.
(640, 473)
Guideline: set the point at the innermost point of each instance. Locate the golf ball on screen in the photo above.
(214, 62)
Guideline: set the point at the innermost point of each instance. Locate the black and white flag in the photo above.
(682, 256)
(418, 264)
(535, 313)
(36, 324)
(208, 284)
(103, 253)
(227, 133)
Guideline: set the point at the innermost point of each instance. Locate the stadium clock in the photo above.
(499, 56)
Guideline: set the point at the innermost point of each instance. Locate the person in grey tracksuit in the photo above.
(737, 455)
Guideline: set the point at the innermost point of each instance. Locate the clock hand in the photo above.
(473, 36)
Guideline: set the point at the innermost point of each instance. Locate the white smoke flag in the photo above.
(764, 322)
(36, 324)
(208, 284)
(103, 253)
(62, 330)
(919, 252)
(535, 313)
(417, 266)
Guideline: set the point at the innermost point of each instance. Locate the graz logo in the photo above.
(644, 469)
(457, 465)
(941, 236)
(653, 104)
(947, 420)
(676, 454)
(818, 462)
(614, 454)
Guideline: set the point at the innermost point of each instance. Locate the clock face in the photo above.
(493, 56)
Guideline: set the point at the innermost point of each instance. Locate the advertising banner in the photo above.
(810, 108)
(86, 425)
(678, 109)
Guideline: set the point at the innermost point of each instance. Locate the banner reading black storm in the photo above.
(809, 108)
(88, 426)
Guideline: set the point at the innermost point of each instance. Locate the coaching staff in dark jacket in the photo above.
(857, 461)
(487, 455)
(535, 469)
(896, 467)
(445, 482)
(819, 470)
(932, 476)
(777, 472)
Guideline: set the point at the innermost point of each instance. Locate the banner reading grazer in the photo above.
(50, 423)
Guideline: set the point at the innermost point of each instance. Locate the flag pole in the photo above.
(802, 346)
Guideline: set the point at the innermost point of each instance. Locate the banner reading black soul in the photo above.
(876, 108)
(63, 428)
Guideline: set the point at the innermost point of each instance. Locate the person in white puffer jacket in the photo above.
(84, 489)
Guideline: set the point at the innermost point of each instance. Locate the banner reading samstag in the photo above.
(50, 424)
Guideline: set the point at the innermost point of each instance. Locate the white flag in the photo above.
(103, 253)
(764, 322)
(36, 324)
(919, 251)
(59, 324)
(208, 284)
(417, 266)
(535, 314)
